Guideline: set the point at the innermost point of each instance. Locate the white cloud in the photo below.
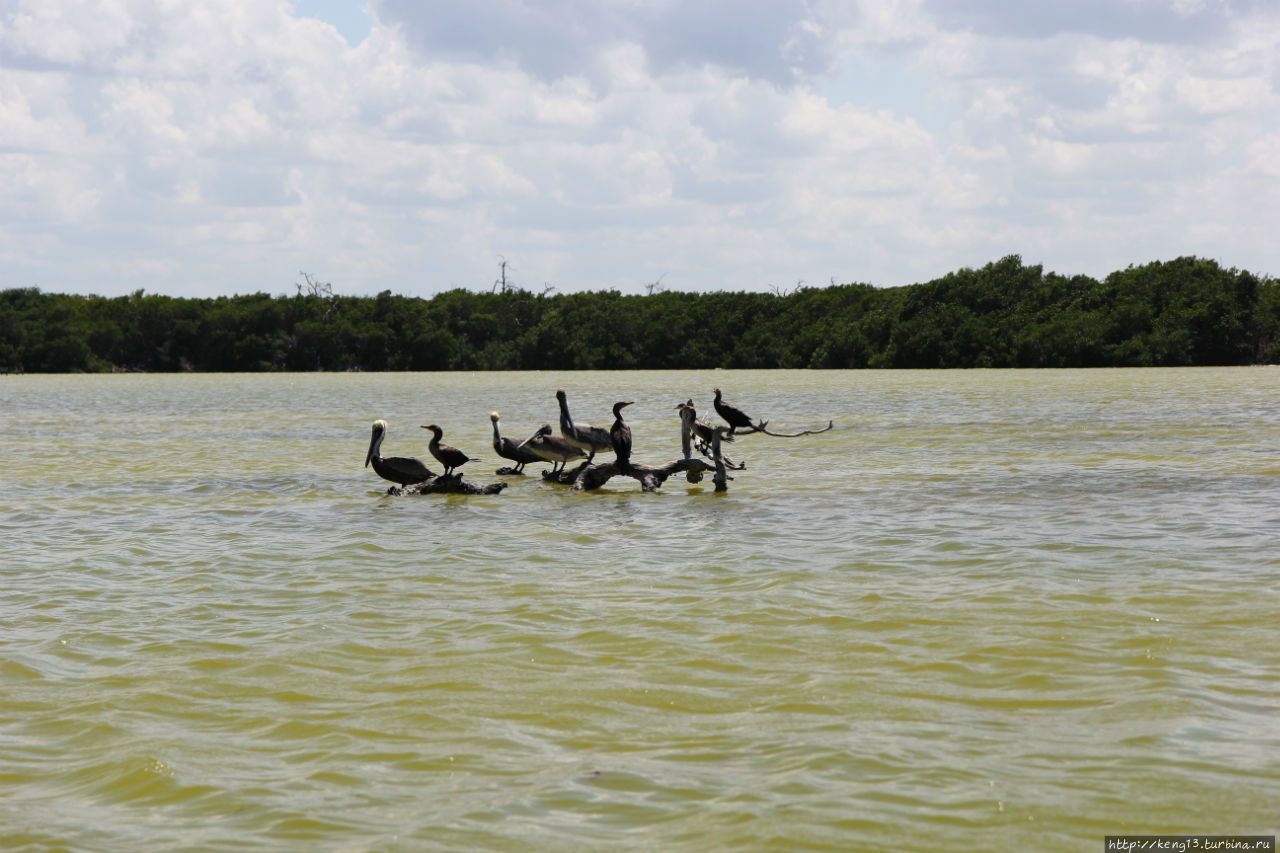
(219, 146)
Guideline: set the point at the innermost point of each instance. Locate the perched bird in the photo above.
(620, 437)
(404, 470)
(552, 448)
(734, 416)
(508, 449)
(700, 428)
(449, 457)
(589, 438)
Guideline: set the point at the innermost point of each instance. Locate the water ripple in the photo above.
(989, 611)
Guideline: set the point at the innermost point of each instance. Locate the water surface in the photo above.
(999, 610)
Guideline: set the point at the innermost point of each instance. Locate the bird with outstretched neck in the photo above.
(590, 438)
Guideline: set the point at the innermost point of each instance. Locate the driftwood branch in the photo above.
(698, 435)
(722, 477)
(450, 485)
(760, 427)
(589, 476)
(708, 451)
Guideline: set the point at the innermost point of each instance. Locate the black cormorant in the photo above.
(449, 457)
(700, 429)
(620, 437)
(734, 416)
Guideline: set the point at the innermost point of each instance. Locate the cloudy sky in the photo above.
(214, 147)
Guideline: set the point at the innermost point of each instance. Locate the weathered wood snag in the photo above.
(452, 484)
(696, 434)
(722, 477)
(760, 427)
(589, 476)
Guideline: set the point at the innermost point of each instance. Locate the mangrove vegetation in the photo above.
(1188, 311)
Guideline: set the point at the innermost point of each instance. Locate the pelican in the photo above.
(735, 416)
(701, 429)
(404, 470)
(620, 437)
(552, 448)
(589, 438)
(508, 449)
(449, 457)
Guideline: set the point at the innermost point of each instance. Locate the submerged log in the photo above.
(587, 477)
(450, 485)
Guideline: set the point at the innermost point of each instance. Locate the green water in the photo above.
(989, 610)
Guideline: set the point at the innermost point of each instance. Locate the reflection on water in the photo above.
(988, 610)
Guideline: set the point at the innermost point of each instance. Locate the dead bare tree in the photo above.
(655, 286)
(786, 291)
(500, 283)
(319, 289)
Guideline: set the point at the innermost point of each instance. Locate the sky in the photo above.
(218, 147)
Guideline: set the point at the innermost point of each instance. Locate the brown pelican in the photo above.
(404, 470)
(449, 457)
(552, 448)
(589, 438)
(508, 449)
(620, 437)
(701, 429)
(732, 414)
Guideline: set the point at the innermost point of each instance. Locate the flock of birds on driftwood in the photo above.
(576, 441)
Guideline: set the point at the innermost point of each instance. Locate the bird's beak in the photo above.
(368, 456)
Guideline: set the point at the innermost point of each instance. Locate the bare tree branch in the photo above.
(500, 284)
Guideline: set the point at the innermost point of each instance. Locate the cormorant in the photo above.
(552, 448)
(449, 457)
(701, 429)
(405, 470)
(732, 414)
(589, 438)
(620, 437)
(508, 449)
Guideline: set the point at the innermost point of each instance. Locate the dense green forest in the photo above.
(1188, 311)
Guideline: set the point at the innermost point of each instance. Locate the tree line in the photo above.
(1188, 311)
